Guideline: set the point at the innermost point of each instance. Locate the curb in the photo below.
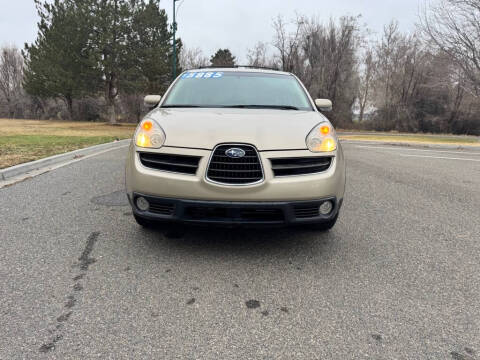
(21, 169)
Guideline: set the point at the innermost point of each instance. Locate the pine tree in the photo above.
(108, 36)
(58, 64)
(131, 47)
(223, 57)
(150, 48)
(89, 47)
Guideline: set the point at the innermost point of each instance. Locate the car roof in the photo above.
(240, 69)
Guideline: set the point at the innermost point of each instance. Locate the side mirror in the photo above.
(151, 101)
(324, 104)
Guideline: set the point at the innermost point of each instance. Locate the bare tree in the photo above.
(324, 57)
(11, 74)
(192, 58)
(453, 26)
(366, 78)
(400, 74)
(445, 88)
(258, 56)
(287, 42)
(331, 63)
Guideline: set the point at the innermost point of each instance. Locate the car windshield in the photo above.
(238, 89)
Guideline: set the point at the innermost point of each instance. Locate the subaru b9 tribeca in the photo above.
(236, 146)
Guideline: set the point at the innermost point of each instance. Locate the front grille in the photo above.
(235, 171)
(183, 164)
(300, 166)
(234, 214)
(306, 211)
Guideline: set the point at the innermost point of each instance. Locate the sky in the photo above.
(236, 24)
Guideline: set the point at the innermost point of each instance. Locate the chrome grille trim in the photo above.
(226, 161)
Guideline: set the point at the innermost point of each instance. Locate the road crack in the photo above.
(84, 262)
(85, 259)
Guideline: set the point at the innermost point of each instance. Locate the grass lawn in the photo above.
(413, 138)
(27, 140)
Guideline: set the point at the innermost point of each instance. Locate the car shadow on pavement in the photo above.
(252, 242)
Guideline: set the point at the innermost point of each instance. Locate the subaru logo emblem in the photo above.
(235, 153)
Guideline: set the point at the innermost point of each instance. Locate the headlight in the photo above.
(149, 135)
(322, 138)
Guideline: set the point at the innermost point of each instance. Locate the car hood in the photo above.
(264, 128)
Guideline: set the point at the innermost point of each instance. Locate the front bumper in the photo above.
(235, 213)
(163, 184)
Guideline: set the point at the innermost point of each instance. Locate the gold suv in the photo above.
(236, 146)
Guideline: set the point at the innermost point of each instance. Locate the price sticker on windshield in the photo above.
(203, 75)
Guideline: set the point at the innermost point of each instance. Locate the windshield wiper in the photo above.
(280, 107)
(180, 106)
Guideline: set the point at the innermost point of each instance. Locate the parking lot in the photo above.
(398, 277)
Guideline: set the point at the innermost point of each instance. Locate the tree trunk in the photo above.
(456, 107)
(110, 95)
(363, 100)
(11, 112)
(69, 102)
(362, 113)
(111, 114)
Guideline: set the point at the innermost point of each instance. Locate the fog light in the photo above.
(326, 208)
(142, 203)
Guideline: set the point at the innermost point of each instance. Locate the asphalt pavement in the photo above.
(397, 278)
